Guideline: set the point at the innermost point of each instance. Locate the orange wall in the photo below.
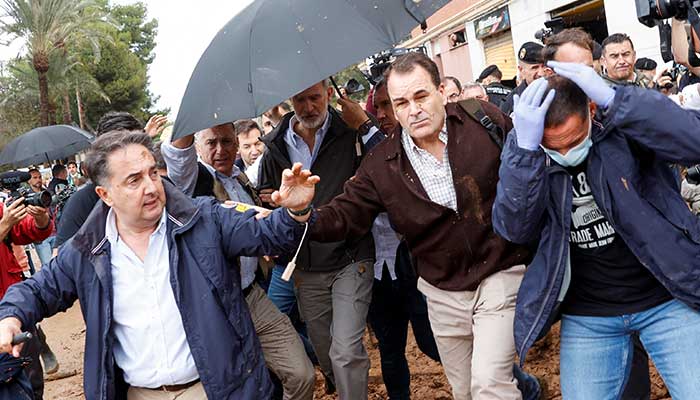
(450, 9)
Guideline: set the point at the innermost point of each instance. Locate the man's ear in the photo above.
(329, 92)
(592, 108)
(104, 195)
(441, 90)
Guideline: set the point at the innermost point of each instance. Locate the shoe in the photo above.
(50, 362)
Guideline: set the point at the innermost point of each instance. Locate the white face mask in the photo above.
(577, 154)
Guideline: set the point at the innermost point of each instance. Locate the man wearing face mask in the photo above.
(616, 243)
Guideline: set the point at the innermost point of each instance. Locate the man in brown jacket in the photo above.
(436, 178)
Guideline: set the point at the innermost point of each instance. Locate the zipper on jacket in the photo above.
(551, 286)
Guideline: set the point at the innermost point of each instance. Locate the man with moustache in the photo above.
(618, 58)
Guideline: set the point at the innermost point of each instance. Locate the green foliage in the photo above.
(19, 108)
(122, 69)
(96, 51)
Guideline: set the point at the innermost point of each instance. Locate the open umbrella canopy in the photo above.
(44, 144)
(274, 49)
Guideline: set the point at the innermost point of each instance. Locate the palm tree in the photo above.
(48, 26)
(67, 75)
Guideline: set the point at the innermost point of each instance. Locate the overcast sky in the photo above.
(185, 28)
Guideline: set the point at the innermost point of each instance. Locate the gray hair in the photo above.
(96, 160)
(471, 85)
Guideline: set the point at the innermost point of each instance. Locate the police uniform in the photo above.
(497, 91)
(529, 53)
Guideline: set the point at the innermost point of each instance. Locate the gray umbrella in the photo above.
(45, 144)
(276, 48)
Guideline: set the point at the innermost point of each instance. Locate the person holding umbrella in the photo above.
(334, 280)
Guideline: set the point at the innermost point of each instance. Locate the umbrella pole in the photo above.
(335, 85)
(47, 159)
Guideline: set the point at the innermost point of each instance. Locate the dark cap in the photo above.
(490, 70)
(645, 64)
(597, 51)
(530, 53)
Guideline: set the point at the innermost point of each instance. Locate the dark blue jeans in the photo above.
(282, 295)
(394, 304)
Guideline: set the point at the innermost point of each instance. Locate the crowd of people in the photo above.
(478, 213)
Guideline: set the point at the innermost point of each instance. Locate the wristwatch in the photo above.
(365, 127)
(301, 212)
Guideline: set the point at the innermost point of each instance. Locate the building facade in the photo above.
(465, 36)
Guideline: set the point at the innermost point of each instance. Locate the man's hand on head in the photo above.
(587, 79)
(296, 191)
(529, 112)
(352, 113)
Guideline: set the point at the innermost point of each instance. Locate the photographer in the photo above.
(21, 224)
(679, 46)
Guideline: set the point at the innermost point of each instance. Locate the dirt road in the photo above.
(66, 334)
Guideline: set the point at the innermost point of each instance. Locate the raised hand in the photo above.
(155, 125)
(297, 188)
(587, 79)
(529, 112)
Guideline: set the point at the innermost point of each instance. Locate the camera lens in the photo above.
(41, 199)
(671, 8)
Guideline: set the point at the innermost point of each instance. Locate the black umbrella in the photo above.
(276, 48)
(45, 144)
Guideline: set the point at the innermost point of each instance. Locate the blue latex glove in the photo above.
(587, 79)
(529, 111)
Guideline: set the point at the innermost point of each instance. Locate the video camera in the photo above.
(13, 180)
(552, 27)
(380, 62)
(650, 12)
(654, 13)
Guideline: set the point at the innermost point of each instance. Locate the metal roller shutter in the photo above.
(498, 50)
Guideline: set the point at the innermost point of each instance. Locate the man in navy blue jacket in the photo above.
(151, 269)
(617, 246)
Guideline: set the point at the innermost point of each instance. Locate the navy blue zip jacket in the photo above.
(204, 240)
(634, 186)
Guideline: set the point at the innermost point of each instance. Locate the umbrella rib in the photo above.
(250, 60)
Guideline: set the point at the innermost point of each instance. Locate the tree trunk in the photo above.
(43, 99)
(67, 117)
(81, 111)
(40, 62)
(52, 113)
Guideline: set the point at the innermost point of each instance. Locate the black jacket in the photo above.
(507, 106)
(335, 163)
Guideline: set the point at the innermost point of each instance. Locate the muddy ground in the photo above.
(66, 334)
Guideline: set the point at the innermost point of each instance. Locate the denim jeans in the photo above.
(45, 249)
(596, 352)
(282, 295)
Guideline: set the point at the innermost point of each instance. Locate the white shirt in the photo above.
(151, 346)
(435, 176)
